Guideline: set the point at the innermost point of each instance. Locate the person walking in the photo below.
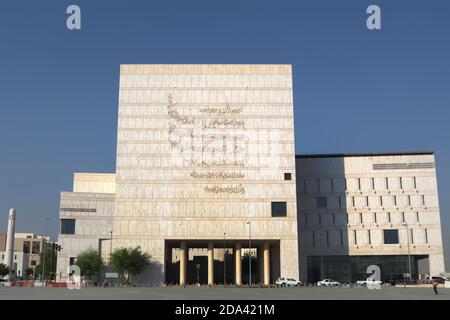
(435, 287)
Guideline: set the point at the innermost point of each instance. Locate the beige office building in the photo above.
(205, 161)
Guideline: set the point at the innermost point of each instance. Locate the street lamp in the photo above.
(409, 250)
(110, 253)
(224, 261)
(249, 252)
(44, 248)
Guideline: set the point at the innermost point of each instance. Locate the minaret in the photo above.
(9, 261)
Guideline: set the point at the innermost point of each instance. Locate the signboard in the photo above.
(111, 275)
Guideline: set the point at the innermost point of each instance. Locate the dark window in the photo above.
(279, 209)
(287, 176)
(67, 226)
(71, 261)
(36, 247)
(26, 246)
(342, 238)
(391, 236)
(321, 202)
(33, 262)
(426, 235)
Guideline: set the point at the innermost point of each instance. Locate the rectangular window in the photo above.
(360, 218)
(332, 185)
(67, 226)
(346, 218)
(359, 183)
(342, 238)
(367, 201)
(415, 183)
(381, 200)
(417, 217)
(395, 200)
(389, 217)
(345, 184)
(409, 201)
(279, 209)
(369, 236)
(353, 201)
(328, 239)
(403, 217)
(33, 262)
(287, 176)
(387, 183)
(355, 238)
(71, 261)
(411, 235)
(373, 183)
(340, 202)
(401, 183)
(391, 236)
(306, 218)
(423, 200)
(375, 217)
(36, 247)
(26, 246)
(426, 236)
(321, 202)
(314, 238)
(334, 218)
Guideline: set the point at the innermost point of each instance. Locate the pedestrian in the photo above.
(435, 287)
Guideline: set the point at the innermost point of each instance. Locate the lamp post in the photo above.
(44, 248)
(224, 261)
(249, 252)
(409, 250)
(110, 252)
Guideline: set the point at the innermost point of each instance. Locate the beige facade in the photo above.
(201, 151)
(347, 202)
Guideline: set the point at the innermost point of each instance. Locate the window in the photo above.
(340, 202)
(367, 201)
(314, 238)
(395, 200)
(353, 201)
(328, 239)
(375, 217)
(342, 238)
(423, 200)
(306, 218)
(26, 246)
(409, 200)
(369, 236)
(401, 183)
(321, 202)
(360, 218)
(417, 217)
(345, 184)
(415, 183)
(389, 217)
(391, 236)
(36, 247)
(403, 217)
(373, 183)
(381, 201)
(33, 262)
(332, 185)
(71, 261)
(387, 183)
(426, 236)
(359, 183)
(15, 257)
(67, 226)
(411, 235)
(334, 218)
(355, 238)
(287, 176)
(278, 210)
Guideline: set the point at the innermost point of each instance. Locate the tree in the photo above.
(129, 262)
(90, 263)
(48, 264)
(4, 270)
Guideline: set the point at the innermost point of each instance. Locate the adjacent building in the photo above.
(207, 176)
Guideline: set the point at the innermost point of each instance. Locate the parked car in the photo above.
(370, 281)
(439, 280)
(288, 282)
(327, 283)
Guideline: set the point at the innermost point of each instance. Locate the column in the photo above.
(238, 263)
(183, 251)
(210, 263)
(260, 259)
(266, 264)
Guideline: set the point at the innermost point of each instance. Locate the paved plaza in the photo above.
(177, 293)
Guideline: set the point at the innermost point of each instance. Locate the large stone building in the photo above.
(204, 152)
(206, 171)
(357, 210)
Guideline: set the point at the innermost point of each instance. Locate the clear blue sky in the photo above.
(355, 90)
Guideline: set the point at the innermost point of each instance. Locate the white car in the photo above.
(327, 283)
(370, 282)
(288, 282)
